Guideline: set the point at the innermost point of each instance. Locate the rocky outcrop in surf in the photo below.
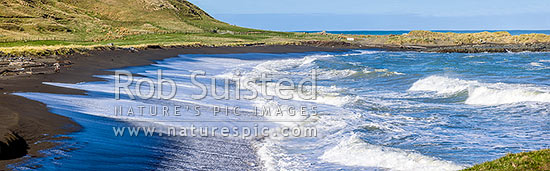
(494, 48)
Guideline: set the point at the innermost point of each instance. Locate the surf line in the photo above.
(197, 110)
(285, 88)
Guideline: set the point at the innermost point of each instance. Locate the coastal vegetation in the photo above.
(37, 27)
(428, 38)
(59, 27)
(43, 30)
(534, 160)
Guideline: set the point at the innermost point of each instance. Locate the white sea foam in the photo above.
(274, 152)
(441, 84)
(277, 66)
(536, 64)
(383, 72)
(361, 52)
(352, 151)
(483, 93)
(304, 63)
(332, 74)
(491, 96)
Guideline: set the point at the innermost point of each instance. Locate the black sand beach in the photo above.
(33, 122)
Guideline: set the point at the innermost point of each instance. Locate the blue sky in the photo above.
(290, 15)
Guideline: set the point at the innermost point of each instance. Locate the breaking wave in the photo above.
(483, 93)
(353, 151)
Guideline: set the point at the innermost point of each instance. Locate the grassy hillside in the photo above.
(34, 24)
(96, 20)
(535, 160)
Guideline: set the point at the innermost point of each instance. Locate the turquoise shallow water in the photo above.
(377, 110)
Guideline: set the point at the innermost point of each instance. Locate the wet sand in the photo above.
(33, 122)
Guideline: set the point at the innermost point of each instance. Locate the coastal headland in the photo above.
(70, 41)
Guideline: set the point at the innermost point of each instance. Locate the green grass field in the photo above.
(31, 27)
(41, 47)
(34, 26)
(534, 160)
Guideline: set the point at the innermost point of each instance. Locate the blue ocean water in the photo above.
(399, 32)
(377, 110)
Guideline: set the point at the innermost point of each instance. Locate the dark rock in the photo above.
(42, 70)
(65, 62)
(154, 47)
(13, 146)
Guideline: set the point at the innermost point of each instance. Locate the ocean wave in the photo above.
(491, 96)
(369, 73)
(441, 84)
(385, 71)
(353, 151)
(275, 66)
(361, 52)
(306, 61)
(536, 64)
(483, 93)
(332, 74)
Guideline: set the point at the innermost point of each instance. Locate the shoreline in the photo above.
(48, 62)
(474, 48)
(34, 122)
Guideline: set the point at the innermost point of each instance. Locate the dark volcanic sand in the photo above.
(32, 120)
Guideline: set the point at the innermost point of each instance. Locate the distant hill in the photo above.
(96, 20)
